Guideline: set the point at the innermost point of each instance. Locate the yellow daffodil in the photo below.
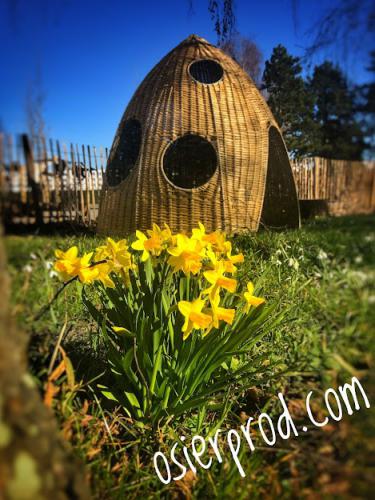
(251, 300)
(167, 236)
(217, 279)
(69, 265)
(66, 264)
(219, 314)
(194, 317)
(122, 331)
(186, 255)
(102, 252)
(218, 241)
(139, 244)
(226, 315)
(231, 260)
(153, 244)
(200, 234)
(158, 237)
(119, 329)
(104, 270)
(116, 252)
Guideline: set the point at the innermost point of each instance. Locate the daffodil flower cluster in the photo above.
(176, 321)
(204, 257)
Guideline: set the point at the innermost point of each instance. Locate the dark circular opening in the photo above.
(206, 71)
(190, 161)
(125, 151)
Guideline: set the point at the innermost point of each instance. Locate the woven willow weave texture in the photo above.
(198, 93)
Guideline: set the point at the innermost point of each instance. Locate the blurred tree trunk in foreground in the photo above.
(34, 462)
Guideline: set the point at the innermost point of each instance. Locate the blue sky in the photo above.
(92, 55)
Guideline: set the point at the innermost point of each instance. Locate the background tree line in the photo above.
(320, 115)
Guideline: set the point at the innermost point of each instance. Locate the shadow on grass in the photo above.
(53, 229)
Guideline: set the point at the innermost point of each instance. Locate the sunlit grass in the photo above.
(324, 276)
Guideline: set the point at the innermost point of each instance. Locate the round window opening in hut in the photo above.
(124, 152)
(190, 161)
(206, 71)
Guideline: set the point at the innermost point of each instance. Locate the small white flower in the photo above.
(48, 264)
(33, 256)
(359, 276)
(370, 237)
(358, 259)
(278, 263)
(278, 252)
(52, 274)
(322, 255)
(293, 263)
(28, 268)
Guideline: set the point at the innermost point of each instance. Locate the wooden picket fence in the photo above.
(347, 187)
(44, 181)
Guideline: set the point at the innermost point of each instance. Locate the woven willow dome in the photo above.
(197, 142)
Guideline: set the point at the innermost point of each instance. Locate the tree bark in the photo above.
(35, 464)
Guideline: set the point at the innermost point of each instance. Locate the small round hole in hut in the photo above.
(206, 71)
(125, 151)
(190, 161)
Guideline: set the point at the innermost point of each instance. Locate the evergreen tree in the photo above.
(340, 133)
(290, 101)
(370, 94)
(366, 108)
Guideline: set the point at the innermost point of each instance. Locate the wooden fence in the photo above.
(44, 181)
(346, 187)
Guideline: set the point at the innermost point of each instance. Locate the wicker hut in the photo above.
(197, 142)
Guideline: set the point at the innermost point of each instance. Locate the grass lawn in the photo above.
(323, 276)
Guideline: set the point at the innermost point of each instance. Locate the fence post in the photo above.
(35, 191)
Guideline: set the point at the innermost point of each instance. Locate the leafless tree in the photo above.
(222, 15)
(248, 55)
(34, 107)
(343, 29)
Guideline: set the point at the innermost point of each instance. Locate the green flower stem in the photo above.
(166, 397)
(156, 368)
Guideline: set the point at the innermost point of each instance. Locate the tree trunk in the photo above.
(35, 464)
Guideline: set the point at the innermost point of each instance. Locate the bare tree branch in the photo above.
(35, 101)
(344, 28)
(248, 55)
